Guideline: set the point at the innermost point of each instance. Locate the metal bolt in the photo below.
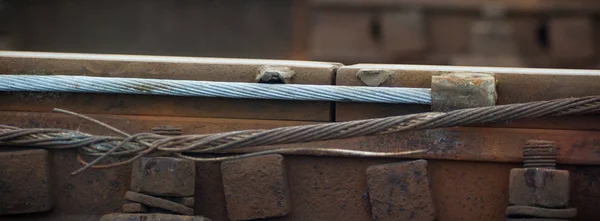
(275, 75)
(167, 130)
(373, 77)
(539, 191)
(539, 154)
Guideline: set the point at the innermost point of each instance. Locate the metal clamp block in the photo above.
(462, 90)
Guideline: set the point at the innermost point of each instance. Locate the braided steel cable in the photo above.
(340, 130)
(145, 143)
(85, 84)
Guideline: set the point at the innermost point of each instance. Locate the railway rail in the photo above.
(471, 170)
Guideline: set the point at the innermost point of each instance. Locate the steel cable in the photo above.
(85, 84)
(145, 143)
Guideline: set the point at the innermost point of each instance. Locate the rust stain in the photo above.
(538, 179)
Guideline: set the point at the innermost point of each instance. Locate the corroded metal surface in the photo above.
(462, 143)
(585, 180)
(476, 159)
(548, 188)
(539, 154)
(163, 176)
(401, 191)
(330, 188)
(539, 190)
(169, 106)
(25, 182)
(85, 197)
(462, 90)
(325, 188)
(256, 187)
(541, 84)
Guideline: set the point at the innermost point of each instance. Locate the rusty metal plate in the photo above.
(325, 188)
(179, 68)
(86, 196)
(482, 194)
(25, 184)
(401, 191)
(256, 187)
(584, 191)
(322, 188)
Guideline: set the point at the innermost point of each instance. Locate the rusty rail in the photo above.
(477, 159)
(144, 143)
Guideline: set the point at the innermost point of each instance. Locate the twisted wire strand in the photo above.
(340, 130)
(145, 143)
(85, 84)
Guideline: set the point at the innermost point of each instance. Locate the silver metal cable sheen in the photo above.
(85, 84)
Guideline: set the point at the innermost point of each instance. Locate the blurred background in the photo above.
(516, 33)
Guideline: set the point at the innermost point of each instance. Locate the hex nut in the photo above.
(542, 187)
